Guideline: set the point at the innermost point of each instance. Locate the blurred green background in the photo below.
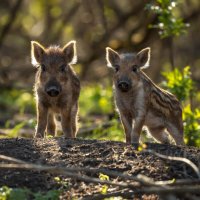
(169, 27)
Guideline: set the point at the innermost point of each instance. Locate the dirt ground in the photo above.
(115, 156)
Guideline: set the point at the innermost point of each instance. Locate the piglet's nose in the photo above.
(123, 86)
(52, 91)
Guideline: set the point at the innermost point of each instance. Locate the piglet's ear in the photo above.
(37, 52)
(112, 57)
(144, 57)
(70, 52)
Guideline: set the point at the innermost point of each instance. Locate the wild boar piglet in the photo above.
(56, 88)
(141, 102)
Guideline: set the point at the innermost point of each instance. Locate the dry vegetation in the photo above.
(92, 169)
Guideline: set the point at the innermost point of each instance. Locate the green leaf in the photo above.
(103, 177)
(171, 25)
(104, 189)
(18, 194)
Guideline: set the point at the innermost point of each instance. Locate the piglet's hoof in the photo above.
(135, 144)
(66, 137)
(38, 135)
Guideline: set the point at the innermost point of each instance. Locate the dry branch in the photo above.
(142, 179)
(140, 184)
(184, 160)
(151, 190)
(69, 172)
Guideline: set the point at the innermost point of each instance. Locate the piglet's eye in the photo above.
(62, 68)
(134, 68)
(116, 68)
(43, 67)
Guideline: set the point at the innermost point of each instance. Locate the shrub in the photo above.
(181, 84)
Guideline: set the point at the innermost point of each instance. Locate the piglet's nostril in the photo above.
(53, 93)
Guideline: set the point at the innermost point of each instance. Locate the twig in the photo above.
(8, 158)
(185, 160)
(70, 172)
(122, 193)
(178, 182)
(142, 179)
(180, 189)
(151, 190)
(65, 171)
(148, 185)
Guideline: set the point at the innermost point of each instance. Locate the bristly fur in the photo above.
(144, 103)
(66, 103)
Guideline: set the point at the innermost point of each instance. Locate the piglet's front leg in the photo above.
(41, 121)
(137, 128)
(127, 125)
(51, 126)
(66, 123)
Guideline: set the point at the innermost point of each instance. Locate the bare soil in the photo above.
(115, 156)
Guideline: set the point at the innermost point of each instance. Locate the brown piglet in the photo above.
(141, 102)
(56, 88)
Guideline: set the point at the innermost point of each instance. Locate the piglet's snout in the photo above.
(124, 86)
(53, 91)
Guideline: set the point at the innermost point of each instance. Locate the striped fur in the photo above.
(144, 103)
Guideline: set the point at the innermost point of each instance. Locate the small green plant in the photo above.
(50, 195)
(4, 192)
(104, 188)
(191, 126)
(63, 183)
(169, 24)
(104, 177)
(18, 194)
(7, 193)
(179, 83)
